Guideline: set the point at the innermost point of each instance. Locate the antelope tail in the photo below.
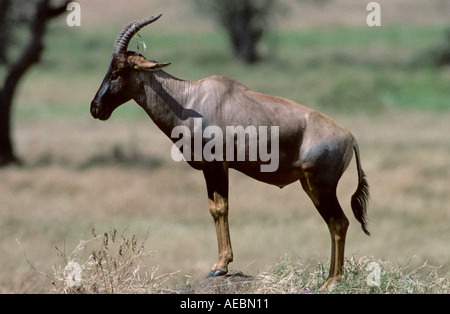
(361, 197)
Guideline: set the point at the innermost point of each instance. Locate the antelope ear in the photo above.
(153, 66)
(146, 65)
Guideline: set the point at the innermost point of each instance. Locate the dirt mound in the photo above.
(234, 283)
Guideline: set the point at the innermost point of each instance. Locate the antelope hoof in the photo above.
(329, 284)
(216, 273)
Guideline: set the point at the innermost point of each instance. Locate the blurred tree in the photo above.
(3, 37)
(244, 22)
(442, 53)
(17, 55)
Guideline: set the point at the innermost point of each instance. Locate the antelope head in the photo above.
(118, 86)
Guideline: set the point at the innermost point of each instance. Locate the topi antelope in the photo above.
(312, 148)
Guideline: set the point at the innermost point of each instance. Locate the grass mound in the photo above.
(115, 264)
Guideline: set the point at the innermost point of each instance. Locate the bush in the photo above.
(115, 266)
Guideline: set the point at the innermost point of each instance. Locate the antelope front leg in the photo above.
(216, 178)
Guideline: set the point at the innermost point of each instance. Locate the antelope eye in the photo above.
(114, 75)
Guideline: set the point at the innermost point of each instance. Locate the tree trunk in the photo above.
(7, 155)
(244, 32)
(15, 71)
(243, 37)
(4, 7)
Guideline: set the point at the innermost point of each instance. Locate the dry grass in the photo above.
(290, 276)
(114, 264)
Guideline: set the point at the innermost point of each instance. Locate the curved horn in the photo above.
(129, 31)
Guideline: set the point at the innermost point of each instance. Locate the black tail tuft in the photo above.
(361, 196)
(360, 200)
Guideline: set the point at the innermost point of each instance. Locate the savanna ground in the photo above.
(80, 174)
